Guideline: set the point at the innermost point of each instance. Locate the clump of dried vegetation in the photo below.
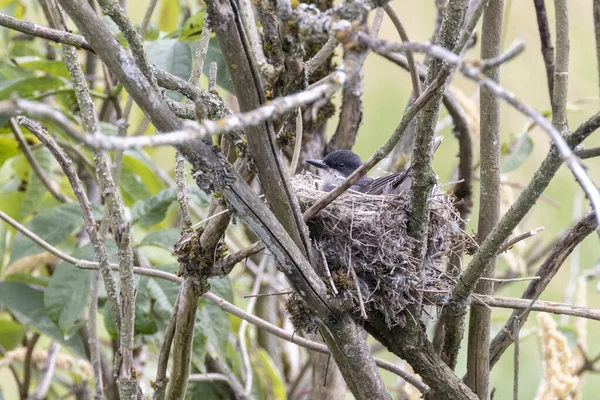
(368, 254)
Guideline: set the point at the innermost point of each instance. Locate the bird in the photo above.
(340, 164)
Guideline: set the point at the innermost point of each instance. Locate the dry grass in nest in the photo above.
(364, 241)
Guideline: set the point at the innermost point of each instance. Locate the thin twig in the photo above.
(46, 373)
(93, 337)
(546, 42)
(249, 376)
(516, 360)
(201, 51)
(322, 55)
(27, 365)
(208, 377)
(412, 67)
(512, 241)
(180, 174)
(596, 11)
(160, 383)
(57, 36)
(297, 143)
(212, 77)
(35, 165)
(147, 18)
(537, 305)
(506, 280)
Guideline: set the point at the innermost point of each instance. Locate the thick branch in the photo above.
(478, 377)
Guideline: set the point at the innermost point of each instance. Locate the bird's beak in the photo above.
(317, 163)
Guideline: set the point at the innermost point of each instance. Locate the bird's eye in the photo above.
(341, 165)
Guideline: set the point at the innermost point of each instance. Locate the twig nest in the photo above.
(364, 241)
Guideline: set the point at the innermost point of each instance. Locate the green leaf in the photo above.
(163, 292)
(26, 87)
(109, 321)
(52, 67)
(208, 391)
(269, 383)
(194, 25)
(11, 334)
(168, 15)
(9, 147)
(171, 55)
(29, 279)
(215, 324)
(214, 54)
(54, 225)
(10, 203)
(516, 152)
(27, 305)
(164, 238)
(222, 288)
(3, 232)
(68, 291)
(197, 196)
(137, 181)
(153, 210)
(35, 188)
(145, 321)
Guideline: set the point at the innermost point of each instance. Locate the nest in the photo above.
(368, 253)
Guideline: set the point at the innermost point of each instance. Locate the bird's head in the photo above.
(343, 162)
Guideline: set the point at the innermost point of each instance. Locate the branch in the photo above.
(478, 374)
(121, 228)
(34, 164)
(46, 373)
(537, 305)
(546, 43)
(561, 71)
(193, 131)
(546, 272)
(525, 235)
(117, 14)
(86, 210)
(13, 370)
(201, 51)
(45, 33)
(28, 364)
(412, 67)
(596, 11)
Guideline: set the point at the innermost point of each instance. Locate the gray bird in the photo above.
(340, 164)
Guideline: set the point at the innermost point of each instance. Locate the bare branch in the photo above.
(46, 373)
(478, 374)
(561, 71)
(412, 67)
(43, 32)
(538, 305)
(118, 15)
(201, 51)
(596, 11)
(180, 174)
(525, 235)
(546, 43)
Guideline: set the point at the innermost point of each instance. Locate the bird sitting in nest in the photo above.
(339, 165)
